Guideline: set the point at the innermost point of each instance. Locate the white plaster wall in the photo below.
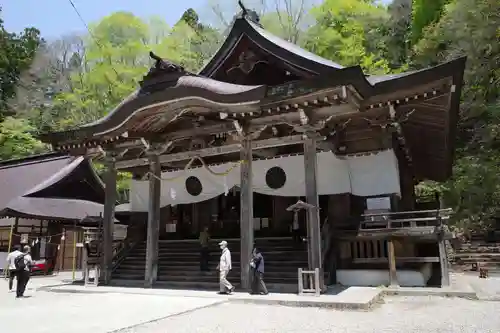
(375, 278)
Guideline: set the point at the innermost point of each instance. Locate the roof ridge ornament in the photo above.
(163, 74)
(249, 14)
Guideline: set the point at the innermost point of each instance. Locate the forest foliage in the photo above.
(58, 84)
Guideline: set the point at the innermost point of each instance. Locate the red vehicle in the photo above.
(41, 266)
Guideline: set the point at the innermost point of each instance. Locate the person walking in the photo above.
(12, 266)
(224, 267)
(204, 250)
(257, 268)
(23, 264)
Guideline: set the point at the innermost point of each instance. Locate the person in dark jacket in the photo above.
(204, 249)
(257, 268)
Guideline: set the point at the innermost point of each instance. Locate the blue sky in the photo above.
(56, 17)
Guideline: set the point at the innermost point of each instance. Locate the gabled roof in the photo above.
(280, 48)
(52, 186)
(19, 176)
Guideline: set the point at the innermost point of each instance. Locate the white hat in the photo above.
(223, 243)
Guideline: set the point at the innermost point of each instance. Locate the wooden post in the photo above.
(109, 215)
(393, 279)
(246, 212)
(443, 263)
(152, 247)
(313, 223)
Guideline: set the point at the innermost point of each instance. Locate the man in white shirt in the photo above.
(224, 267)
(23, 274)
(12, 266)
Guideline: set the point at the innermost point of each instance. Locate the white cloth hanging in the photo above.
(370, 175)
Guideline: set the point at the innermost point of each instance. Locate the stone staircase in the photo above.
(179, 264)
(486, 254)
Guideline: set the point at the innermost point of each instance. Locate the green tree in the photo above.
(349, 32)
(425, 13)
(471, 27)
(16, 53)
(397, 36)
(50, 74)
(16, 140)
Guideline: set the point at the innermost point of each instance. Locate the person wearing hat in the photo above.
(224, 267)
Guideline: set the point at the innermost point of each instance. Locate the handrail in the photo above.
(126, 246)
(121, 254)
(435, 211)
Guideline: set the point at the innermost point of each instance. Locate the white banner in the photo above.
(369, 175)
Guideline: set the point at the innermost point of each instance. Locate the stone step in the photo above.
(272, 287)
(192, 273)
(232, 277)
(215, 244)
(179, 264)
(480, 260)
(194, 270)
(216, 250)
(216, 257)
(268, 263)
(477, 255)
(478, 250)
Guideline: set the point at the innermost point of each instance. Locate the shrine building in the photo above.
(263, 125)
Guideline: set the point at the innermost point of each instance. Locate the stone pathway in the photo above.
(134, 310)
(83, 312)
(486, 289)
(357, 298)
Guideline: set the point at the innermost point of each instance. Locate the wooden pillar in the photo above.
(393, 279)
(313, 223)
(443, 263)
(153, 229)
(109, 216)
(246, 212)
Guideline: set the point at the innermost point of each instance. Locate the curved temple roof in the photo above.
(168, 91)
(169, 96)
(282, 49)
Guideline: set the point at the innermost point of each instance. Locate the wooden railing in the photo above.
(408, 219)
(122, 248)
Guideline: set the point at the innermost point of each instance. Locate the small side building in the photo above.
(43, 198)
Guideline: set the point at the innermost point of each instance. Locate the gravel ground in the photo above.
(47, 312)
(75, 313)
(398, 314)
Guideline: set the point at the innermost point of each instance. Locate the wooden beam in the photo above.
(110, 178)
(312, 198)
(254, 124)
(213, 151)
(153, 227)
(246, 212)
(443, 263)
(393, 279)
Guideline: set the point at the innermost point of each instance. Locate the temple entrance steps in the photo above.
(487, 255)
(179, 263)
